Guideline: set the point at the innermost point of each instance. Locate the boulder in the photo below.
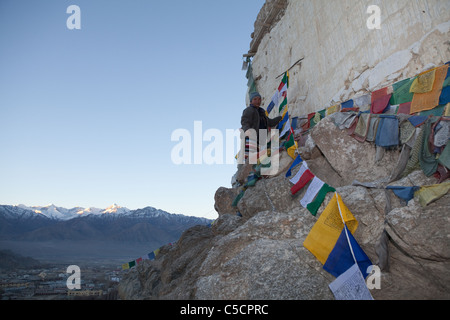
(350, 159)
(267, 194)
(223, 199)
(264, 259)
(419, 251)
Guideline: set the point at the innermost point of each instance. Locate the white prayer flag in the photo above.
(350, 286)
(300, 172)
(313, 189)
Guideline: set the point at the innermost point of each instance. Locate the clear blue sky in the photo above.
(86, 116)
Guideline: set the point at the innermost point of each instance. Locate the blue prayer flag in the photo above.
(341, 258)
(445, 96)
(297, 161)
(405, 193)
(294, 123)
(417, 121)
(347, 104)
(283, 121)
(270, 107)
(388, 132)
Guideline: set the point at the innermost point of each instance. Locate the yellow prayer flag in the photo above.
(125, 266)
(428, 194)
(333, 109)
(325, 233)
(430, 100)
(291, 150)
(447, 110)
(424, 82)
(317, 117)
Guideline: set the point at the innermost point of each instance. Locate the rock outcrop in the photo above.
(259, 254)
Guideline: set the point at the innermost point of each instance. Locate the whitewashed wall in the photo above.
(343, 58)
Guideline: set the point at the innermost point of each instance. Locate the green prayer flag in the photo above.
(427, 159)
(444, 158)
(401, 92)
(237, 199)
(314, 206)
(282, 105)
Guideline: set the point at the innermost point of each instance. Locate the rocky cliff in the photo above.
(259, 254)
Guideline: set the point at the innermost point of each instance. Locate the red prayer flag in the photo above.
(306, 177)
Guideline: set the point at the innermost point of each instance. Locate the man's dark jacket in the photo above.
(255, 118)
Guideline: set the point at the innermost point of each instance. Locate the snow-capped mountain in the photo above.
(59, 213)
(56, 232)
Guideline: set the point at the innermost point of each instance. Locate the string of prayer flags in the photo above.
(280, 95)
(151, 256)
(344, 254)
(429, 100)
(284, 85)
(323, 236)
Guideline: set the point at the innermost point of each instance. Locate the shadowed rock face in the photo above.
(261, 255)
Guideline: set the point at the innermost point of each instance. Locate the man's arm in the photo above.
(273, 122)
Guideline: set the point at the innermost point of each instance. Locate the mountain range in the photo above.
(51, 231)
(60, 213)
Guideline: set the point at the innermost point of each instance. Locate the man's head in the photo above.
(255, 99)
